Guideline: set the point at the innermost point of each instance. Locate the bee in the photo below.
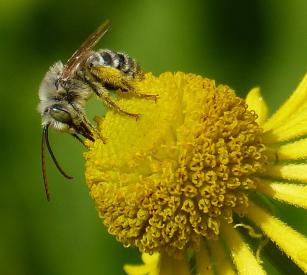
(65, 89)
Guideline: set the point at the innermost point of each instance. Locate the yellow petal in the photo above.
(243, 257)
(203, 263)
(292, 151)
(151, 259)
(282, 115)
(288, 240)
(221, 260)
(150, 266)
(296, 172)
(290, 193)
(293, 128)
(256, 102)
(138, 270)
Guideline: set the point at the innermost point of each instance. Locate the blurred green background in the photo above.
(240, 43)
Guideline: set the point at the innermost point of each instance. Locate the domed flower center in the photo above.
(166, 181)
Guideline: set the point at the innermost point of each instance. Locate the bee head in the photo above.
(53, 105)
(60, 106)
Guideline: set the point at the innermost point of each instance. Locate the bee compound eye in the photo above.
(59, 113)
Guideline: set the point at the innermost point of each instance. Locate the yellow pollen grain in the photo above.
(166, 181)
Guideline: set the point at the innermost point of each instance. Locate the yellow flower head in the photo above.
(176, 178)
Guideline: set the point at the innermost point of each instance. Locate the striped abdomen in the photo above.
(116, 60)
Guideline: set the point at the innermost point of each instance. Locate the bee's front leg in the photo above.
(85, 128)
(79, 139)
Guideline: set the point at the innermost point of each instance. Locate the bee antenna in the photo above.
(45, 133)
(43, 156)
(45, 141)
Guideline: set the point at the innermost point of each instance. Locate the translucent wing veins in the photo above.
(82, 52)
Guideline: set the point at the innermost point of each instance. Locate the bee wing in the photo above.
(81, 53)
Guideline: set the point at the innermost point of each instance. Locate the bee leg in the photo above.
(145, 96)
(86, 129)
(110, 103)
(103, 94)
(78, 138)
(95, 130)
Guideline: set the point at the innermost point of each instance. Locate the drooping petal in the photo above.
(203, 264)
(287, 239)
(221, 260)
(295, 172)
(243, 257)
(172, 266)
(159, 264)
(297, 99)
(256, 102)
(290, 193)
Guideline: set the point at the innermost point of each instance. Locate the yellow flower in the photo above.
(187, 181)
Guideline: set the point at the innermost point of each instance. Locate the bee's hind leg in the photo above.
(145, 96)
(104, 96)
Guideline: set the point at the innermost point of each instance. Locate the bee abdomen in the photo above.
(116, 60)
(128, 65)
